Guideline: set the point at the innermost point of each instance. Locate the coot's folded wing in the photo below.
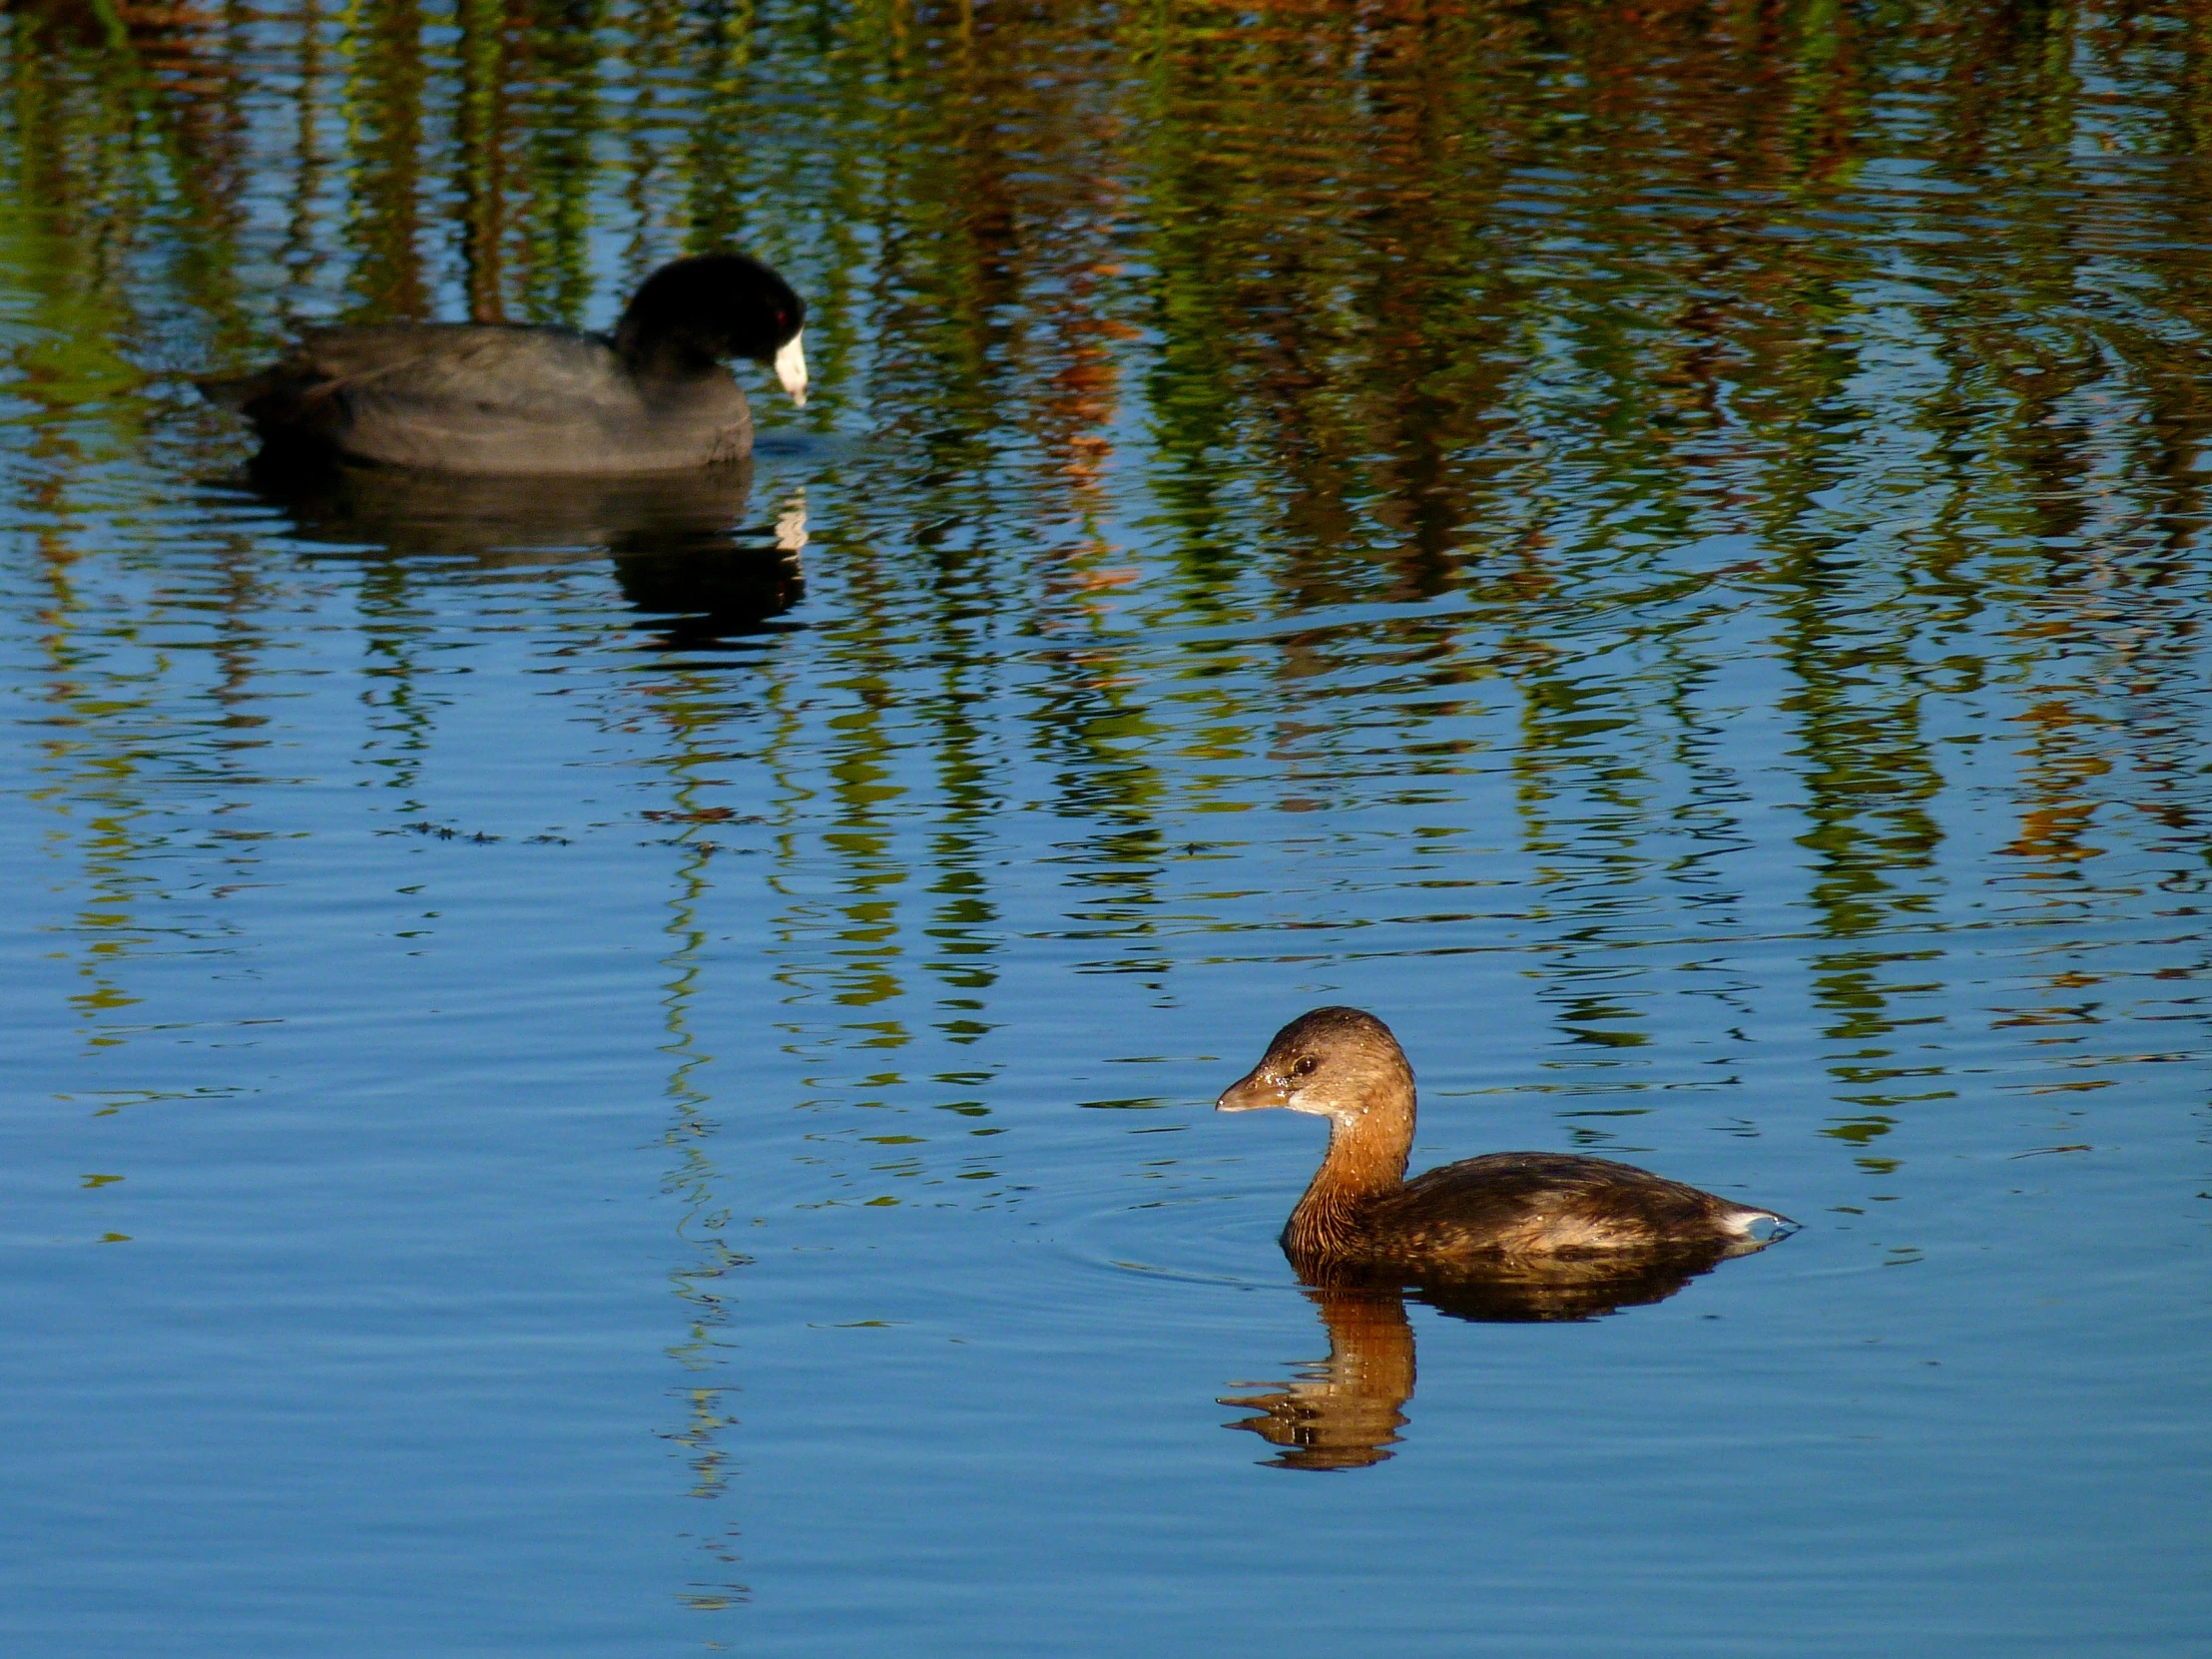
(434, 374)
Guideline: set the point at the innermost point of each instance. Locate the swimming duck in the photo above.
(1360, 1216)
(475, 397)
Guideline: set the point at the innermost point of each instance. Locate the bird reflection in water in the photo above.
(679, 544)
(1344, 1413)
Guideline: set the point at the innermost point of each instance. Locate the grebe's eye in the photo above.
(1305, 1066)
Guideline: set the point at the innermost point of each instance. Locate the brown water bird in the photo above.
(502, 398)
(1361, 1218)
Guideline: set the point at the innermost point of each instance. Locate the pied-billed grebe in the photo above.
(1362, 1215)
(653, 396)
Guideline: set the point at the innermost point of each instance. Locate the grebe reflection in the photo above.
(1344, 1413)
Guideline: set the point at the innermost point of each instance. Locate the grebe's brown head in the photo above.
(1333, 1062)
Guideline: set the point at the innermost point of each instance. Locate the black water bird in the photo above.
(655, 395)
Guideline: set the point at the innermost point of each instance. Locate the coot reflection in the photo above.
(1344, 1413)
(679, 544)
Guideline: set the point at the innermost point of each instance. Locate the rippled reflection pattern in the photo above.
(596, 1070)
(1343, 1411)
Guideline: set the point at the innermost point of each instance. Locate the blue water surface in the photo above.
(579, 1087)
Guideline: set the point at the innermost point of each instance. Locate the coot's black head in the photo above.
(1332, 1062)
(711, 307)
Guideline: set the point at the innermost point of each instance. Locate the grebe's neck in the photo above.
(1368, 1149)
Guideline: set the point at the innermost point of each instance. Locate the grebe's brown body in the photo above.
(1361, 1216)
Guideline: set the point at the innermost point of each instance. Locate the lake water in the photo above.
(599, 1072)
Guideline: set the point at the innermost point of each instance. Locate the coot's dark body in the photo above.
(499, 398)
(1362, 1220)
(492, 398)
